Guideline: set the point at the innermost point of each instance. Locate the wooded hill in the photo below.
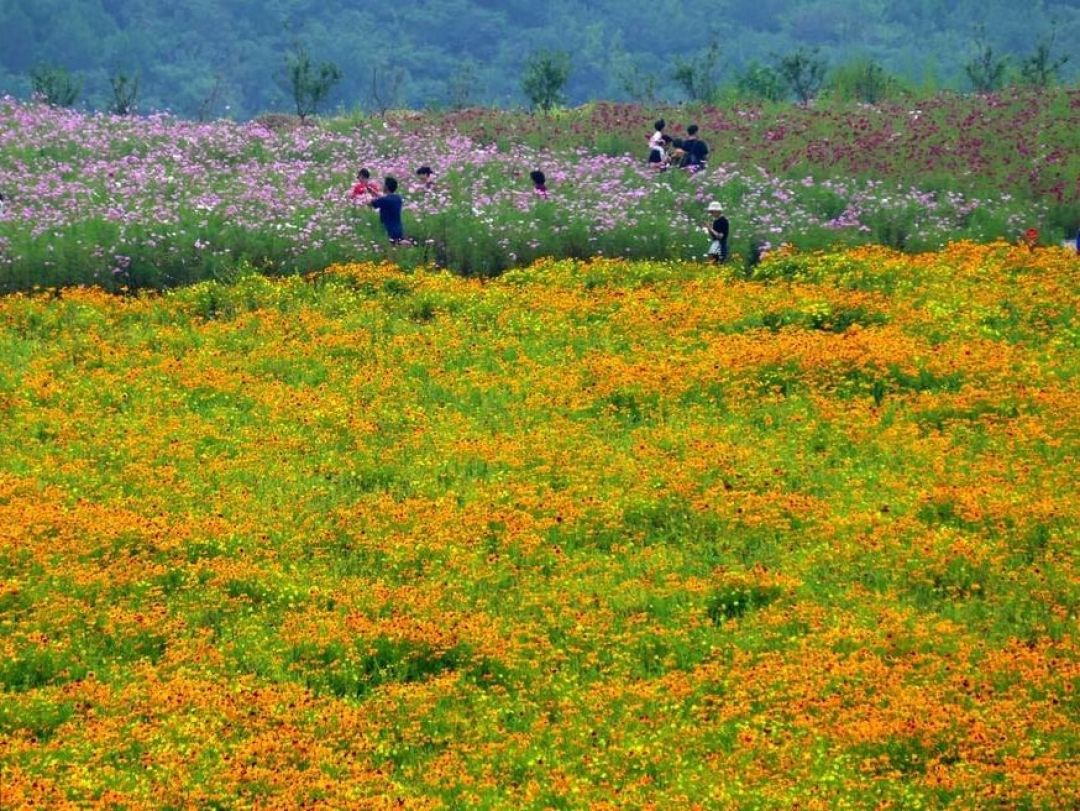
(213, 58)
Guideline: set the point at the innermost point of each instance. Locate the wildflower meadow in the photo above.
(596, 533)
(542, 510)
(133, 202)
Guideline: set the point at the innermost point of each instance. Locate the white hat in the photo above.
(715, 206)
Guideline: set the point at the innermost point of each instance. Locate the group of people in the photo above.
(690, 153)
(386, 200)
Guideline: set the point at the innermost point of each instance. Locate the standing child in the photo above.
(718, 229)
(389, 207)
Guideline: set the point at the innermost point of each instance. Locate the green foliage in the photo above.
(125, 88)
(309, 84)
(463, 88)
(732, 602)
(761, 82)
(545, 77)
(697, 77)
(1041, 69)
(862, 80)
(56, 86)
(803, 72)
(181, 49)
(986, 70)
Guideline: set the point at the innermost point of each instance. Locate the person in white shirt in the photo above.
(657, 145)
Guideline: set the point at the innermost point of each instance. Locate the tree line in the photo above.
(239, 58)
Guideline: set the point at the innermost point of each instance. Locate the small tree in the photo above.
(54, 85)
(697, 77)
(210, 101)
(862, 80)
(986, 71)
(1041, 69)
(803, 72)
(639, 84)
(546, 74)
(309, 84)
(760, 82)
(125, 90)
(462, 85)
(385, 88)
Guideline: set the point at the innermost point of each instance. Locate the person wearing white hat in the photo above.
(718, 229)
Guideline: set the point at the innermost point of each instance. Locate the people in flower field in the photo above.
(657, 144)
(389, 206)
(539, 184)
(695, 150)
(718, 228)
(365, 186)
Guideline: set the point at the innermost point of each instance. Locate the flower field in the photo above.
(592, 534)
(158, 202)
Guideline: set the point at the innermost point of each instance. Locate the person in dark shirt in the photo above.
(539, 184)
(696, 150)
(718, 229)
(389, 208)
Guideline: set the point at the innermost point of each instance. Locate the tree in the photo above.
(697, 77)
(125, 90)
(638, 83)
(862, 80)
(308, 83)
(986, 71)
(760, 82)
(545, 77)
(462, 86)
(55, 85)
(803, 72)
(1041, 69)
(386, 88)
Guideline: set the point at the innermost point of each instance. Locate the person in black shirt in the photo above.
(697, 151)
(718, 229)
(389, 207)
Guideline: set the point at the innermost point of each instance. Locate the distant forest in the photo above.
(214, 58)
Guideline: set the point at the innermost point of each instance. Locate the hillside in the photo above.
(226, 57)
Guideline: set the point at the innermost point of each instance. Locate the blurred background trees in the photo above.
(207, 58)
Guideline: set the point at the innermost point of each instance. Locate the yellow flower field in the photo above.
(589, 535)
